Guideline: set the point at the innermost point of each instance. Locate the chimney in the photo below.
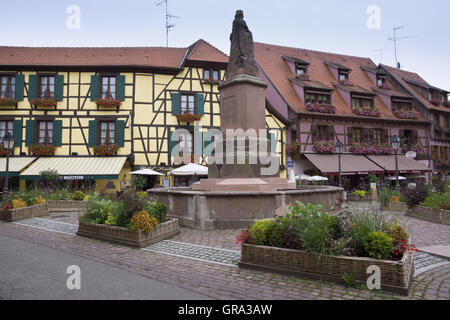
(398, 65)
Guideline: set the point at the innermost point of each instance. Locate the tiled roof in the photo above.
(269, 58)
(337, 65)
(354, 89)
(204, 51)
(392, 93)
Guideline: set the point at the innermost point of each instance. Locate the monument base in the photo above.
(248, 184)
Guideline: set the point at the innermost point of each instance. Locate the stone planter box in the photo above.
(128, 237)
(40, 210)
(357, 198)
(396, 276)
(67, 206)
(430, 214)
(401, 207)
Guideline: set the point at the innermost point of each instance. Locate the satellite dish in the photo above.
(411, 155)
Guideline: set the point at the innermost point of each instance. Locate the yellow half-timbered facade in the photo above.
(103, 103)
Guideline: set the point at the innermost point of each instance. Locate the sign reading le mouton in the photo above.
(73, 177)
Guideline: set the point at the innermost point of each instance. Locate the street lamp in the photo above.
(8, 143)
(340, 149)
(395, 141)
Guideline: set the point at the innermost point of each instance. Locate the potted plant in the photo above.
(212, 81)
(188, 117)
(347, 83)
(108, 103)
(303, 77)
(384, 86)
(44, 102)
(42, 150)
(106, 150)
(406, 114)
(293, 148)
(8, 102)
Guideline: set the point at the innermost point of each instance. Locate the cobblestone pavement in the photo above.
(214, 278)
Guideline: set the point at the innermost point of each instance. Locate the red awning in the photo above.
(405, 165)
(351, 164)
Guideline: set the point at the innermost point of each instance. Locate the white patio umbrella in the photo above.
(191, 169)
(317, 178)
(302, 177)
(146, 172)
(394, 178)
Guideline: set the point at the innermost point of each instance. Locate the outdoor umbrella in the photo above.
(147, 172)
(191, 169)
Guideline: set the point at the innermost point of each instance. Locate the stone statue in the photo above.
(242, 60)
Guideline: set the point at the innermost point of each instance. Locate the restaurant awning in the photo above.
(16, 164)
(405, 165)
(77, 168)
(351, 164)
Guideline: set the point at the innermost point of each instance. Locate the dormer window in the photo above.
(343, 76)
(212, 74)
(317, 98)
(401, 105)
(300, 69)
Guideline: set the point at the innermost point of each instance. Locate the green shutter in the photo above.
(200, 104)
(30, 132)
(175, 103)
(59, 87)
(208, 139)
(17, 133)
(171, 144)
(120, 133)
(93, 131)
(57, 133)
(273, 143)
(20, 83)
(32, 87)
(94, 87)
(120, 94)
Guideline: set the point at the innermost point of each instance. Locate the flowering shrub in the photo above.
(361, 148)
(39, 200)
(406, 114)
(324, 146)
(366, 112)
(414, 196)
(78, 196)
(108, 103)
(244, 237)
(397, 232)
(379, 245)
(293, 148)
(106, 150)
(42, 150)
(323, 108)
(303, 77)
(403, 248)
(143, 221)
(50, 102)
(18, 203)
(384, 86)
(3, 151)
(188, 117)
(212, 81)
(8, 102)
(347, 83)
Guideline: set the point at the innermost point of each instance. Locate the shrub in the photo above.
(157, 210)
(142, 195)
(39, 200)
(78, 196)
(372, 178)
(437, 201)
(388, 194)
(379, 245)
(260, 232)
(360, 193)
(414, 196)
(131, 202)
(98, 210)
(143, 221)
(397, 232)
(440, 183)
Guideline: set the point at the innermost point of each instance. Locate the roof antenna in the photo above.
(169, 16)
(381, 53)
(395, 39)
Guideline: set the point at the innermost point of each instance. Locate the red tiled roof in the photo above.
(204, 51)
(270, 59)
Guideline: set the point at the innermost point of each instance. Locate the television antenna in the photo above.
(169, 16)
(395, 39)
(380, 51)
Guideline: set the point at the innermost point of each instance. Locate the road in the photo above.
(30, 271)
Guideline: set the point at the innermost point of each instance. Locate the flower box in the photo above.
(50, 102)
(188, 117)
(396, 276)
(358, 198)
(324, 147)
(347, 83)
(67, 206)
(303, 77)
(128, 237)
(42, 150)
(361, 148)
(384, 87)
(366, 112)
(8, 102)
(212, 81)
(293, 148)
(39, 210)
(406, 115)
(3, 151)
(441, 163)
(106, 150)
(430, 214)
(325, 108)
(108, 103)
(401, 207)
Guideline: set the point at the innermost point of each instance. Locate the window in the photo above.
(378, 136)
(108, 87)
(343, 76)
(409, 137)
(185, 143)
(317, 98)
(437, 120)
(211, 74)
(187, 103)
(300, 69)
(401, 105)
(107, 132)
(7, 86)
(5, 126)
(46, 87)
(356, 135)
(362, 102)
(381, 81)
(322, 133)
(45, 132)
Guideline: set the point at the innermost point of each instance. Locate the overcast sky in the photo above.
(325, 25)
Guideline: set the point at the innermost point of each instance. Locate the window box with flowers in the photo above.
(212, 81)
(324, 146)
(362, 148)
(44, 103)
(188, 117)
(406, 115)
(441, 163)
(8, 102)
(42, 150)
(3, 151)
(384, 86)
(108, 103)
(303, 77)
(366, 112)
(293, 148)
(347, 83)
(106, 150)
(321, 108)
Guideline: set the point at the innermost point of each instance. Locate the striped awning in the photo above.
(351, 164)
(77, 168)
(405, 165)
(16, 164)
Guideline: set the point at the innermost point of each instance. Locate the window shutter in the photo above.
(273, 143)
(171, 144)
(30, 133)
(120, 94)
(120, 133)
(32, 87)
(175, 103)
(200, 104)
(57, 133)
(17, 133)
(59, 87)
(94, 87)
(20, 83)
(93, 132)
(350, 135)
(208, 139)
